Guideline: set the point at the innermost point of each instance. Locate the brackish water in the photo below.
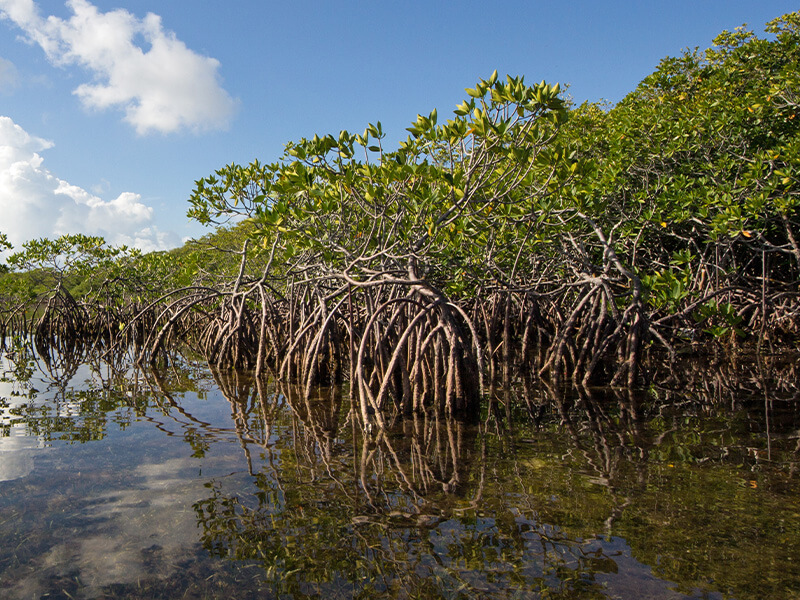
(188, 483)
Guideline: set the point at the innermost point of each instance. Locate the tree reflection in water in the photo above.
(400, 512)
(534, 500)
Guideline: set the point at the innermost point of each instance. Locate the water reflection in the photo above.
(183, 481)
(17, 445)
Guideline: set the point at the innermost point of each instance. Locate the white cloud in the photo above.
(35, 203)
(164, 88)
(8, 76)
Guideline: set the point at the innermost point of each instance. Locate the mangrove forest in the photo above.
(524, 237)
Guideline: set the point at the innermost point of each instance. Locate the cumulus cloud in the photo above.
(162, 87)
(35, 203)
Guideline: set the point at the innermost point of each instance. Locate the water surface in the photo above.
(187, 483)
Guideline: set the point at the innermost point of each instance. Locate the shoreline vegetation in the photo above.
(522, 238)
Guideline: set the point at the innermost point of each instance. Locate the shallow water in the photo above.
(185, 483)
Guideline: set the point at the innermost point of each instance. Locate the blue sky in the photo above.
(111, 109)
